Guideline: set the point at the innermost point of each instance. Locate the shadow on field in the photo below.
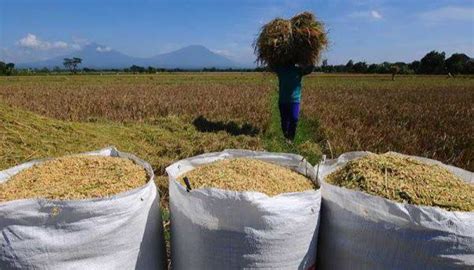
(231, 127)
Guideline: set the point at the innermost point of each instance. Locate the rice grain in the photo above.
(74, 177)
(244, 174)
(406, 180)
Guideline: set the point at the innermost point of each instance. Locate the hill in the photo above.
(102, 57)
(191, 57)
(92, 55)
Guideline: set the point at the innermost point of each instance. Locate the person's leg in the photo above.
(285, 119)
(293, 120)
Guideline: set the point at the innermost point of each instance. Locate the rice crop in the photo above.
(426, 116)
(429, 116)
(406, 180)
(244, 174)
(74, 177)
(235, 97)
(299, 40)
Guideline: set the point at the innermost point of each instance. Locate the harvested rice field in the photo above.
(74, 177)
(166, 117)
(237, 98)
(428, 116)
(244, 174)
(156, 116)
(405, 180)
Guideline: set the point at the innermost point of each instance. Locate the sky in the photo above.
(363, 30)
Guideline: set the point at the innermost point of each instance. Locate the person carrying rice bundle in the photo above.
(291, 48)
(289, 98)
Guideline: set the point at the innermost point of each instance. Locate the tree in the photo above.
(9, 68)
(68, 63)
(433, 63)
(457, 63)
(151, 69)
(415, 66)
(3, 67)
(394, 70)
(360, 67)
(137, 69)
(350, 66)
(403, 68)
(384, 68)
(76, 60)
(373, 68)
(469, 68)
(72, 64)
(88, 70)
(325, 63)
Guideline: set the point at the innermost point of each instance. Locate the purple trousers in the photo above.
(289, 114)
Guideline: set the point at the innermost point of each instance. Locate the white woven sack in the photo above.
(219, 229)
(362, 231)
(119, 232)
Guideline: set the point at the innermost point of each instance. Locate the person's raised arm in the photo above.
(305, 70)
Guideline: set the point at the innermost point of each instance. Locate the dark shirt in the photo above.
(289, 79)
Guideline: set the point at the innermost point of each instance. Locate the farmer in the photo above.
(289, 79)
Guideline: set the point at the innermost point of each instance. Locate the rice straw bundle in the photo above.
(309, 39)
(287, 42)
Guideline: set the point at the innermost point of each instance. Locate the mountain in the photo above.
(100, 57)
(93, 56)
(194, 56)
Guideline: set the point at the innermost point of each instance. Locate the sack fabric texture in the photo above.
(220, 229)
(118, 232)
(362, 231)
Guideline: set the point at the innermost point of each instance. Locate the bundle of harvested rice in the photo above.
(286, 42)
(406, 180)
(74, 177)
(274, 44)
(245, 174)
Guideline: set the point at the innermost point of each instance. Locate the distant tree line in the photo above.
(139, 69)
(432, 63)
(7, 68)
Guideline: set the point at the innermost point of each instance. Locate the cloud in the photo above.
(31, 41)
(79, 42)
(449, 13)
(22, 55)
(76, 46)
(225, 53)
(103, 49)
(371, 14)
(376, 15)
(60, 45)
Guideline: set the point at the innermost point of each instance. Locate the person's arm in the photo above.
(277, 70)
(307, 70)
